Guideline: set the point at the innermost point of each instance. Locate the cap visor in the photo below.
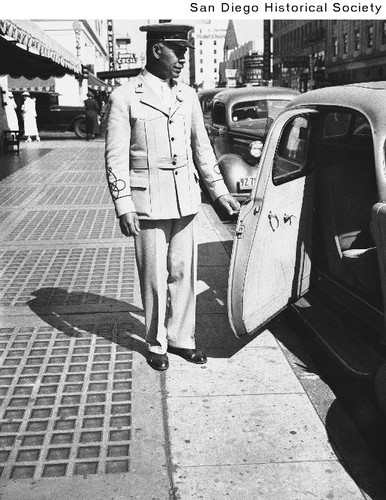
(183, 43)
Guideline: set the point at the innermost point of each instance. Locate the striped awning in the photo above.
(96, 83)
(37, 43)
(33, 85)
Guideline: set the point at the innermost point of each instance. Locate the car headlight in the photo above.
(255, 148)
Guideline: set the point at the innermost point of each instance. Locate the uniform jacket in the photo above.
(153, 154)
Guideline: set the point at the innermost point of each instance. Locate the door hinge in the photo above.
(240, 231)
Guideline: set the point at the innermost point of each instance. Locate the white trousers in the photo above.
(166, 253)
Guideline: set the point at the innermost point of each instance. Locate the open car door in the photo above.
(271, 256)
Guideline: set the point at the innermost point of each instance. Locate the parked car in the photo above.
(205, 97)
(313, 233)
(57, 118)
(240, 121)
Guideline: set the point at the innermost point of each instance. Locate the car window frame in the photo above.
(305, 168)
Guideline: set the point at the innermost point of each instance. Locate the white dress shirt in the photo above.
(161, 87)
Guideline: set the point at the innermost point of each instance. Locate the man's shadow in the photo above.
(81, 313)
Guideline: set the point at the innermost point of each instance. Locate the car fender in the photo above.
(233, 165)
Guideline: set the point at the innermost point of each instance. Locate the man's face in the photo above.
(171, 60)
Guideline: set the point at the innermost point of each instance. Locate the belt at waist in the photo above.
(165, 163)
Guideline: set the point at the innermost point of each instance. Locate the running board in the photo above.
(338, 338)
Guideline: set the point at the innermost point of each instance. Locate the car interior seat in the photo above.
(346, 193)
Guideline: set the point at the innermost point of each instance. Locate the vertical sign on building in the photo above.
(110, 43)
(267, 50)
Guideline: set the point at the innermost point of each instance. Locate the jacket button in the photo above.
(174, 162)
(172, 138)
(170, 121)
(176, 172)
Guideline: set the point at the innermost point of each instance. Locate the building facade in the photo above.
(243, 55)
(319, 53)
(299, 54)
(208, 54)
(88, 41)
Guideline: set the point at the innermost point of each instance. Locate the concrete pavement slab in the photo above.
(246, 429)
(261, 370)
(289, 481)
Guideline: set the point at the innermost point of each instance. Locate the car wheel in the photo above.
(80, 128)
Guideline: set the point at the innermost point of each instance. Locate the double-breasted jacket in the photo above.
(154, 155)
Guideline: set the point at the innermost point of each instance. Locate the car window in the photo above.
(361, 126)
(276, 107)
(290, 160)
(336, 124)
(249, 110)
(218, 113)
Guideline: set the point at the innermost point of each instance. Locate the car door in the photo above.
(270, 263)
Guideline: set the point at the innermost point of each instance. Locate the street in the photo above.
(84, 417)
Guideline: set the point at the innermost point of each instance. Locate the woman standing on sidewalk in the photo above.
(29, 117)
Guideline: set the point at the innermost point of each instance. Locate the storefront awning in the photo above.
(95, 83)
(119, 73)
(26, 50)
(33, 85)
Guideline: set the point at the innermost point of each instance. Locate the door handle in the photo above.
(273, 221)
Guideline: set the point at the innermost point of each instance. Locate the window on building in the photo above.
(215, 51)
(370, 36)
(383, 32)
(200, 52)
(335, 46)
(345, 43)
(214, 42)
(215, 61)
(357, 40)
(200, 42)
(201, 61)
(215, 70)
(201, 70)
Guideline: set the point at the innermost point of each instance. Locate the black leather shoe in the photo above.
(158, 362)
(192, 355)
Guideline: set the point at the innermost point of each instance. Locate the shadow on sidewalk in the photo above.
(74, 313)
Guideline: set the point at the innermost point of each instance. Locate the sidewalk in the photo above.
(83, 417)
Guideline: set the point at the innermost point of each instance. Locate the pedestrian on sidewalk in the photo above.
(10, 112)
(92, 116)
(156, 147)
(28, 109)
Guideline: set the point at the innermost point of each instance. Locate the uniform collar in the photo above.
(151, 97)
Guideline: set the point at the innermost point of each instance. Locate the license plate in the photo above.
(246, 183)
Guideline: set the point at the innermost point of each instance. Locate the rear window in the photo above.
(336, 124)
(362, 126)
(249, 110)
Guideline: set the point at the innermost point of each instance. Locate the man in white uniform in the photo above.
(156, 148)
